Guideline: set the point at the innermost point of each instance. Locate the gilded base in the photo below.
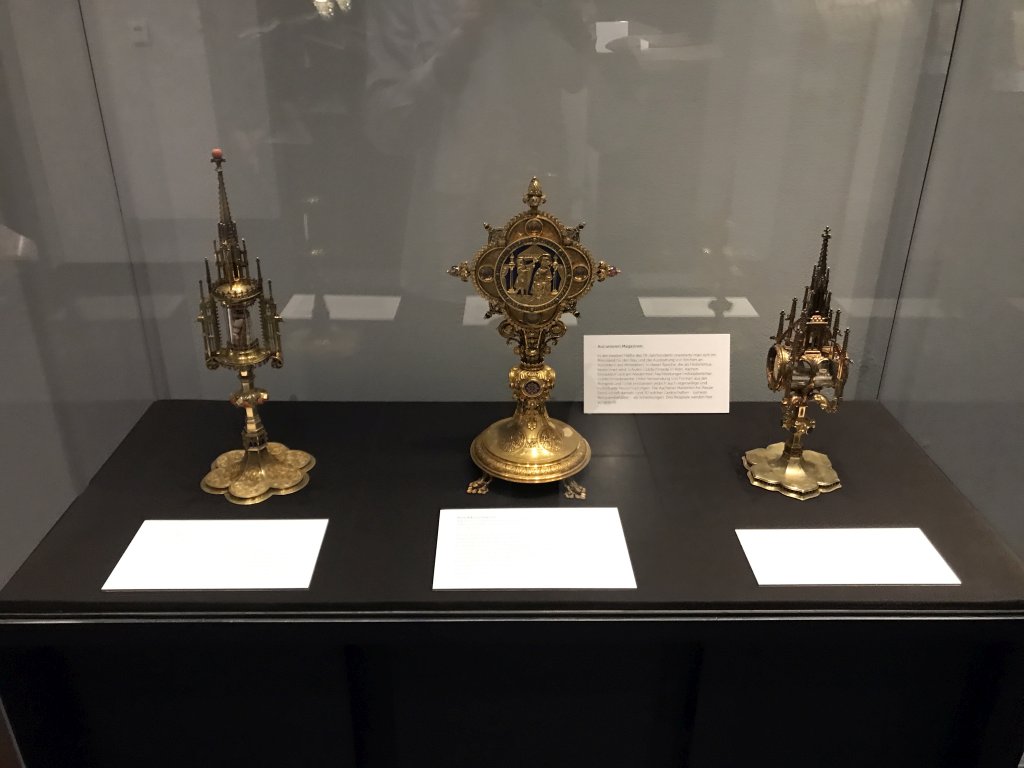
(530, 449)
(799, 477)
(249, 477)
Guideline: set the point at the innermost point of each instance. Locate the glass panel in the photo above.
(75, 375)
(954, 374)
(706, 143)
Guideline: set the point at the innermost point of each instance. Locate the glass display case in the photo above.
(705, 144)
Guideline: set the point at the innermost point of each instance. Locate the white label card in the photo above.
(844, 557)
(219, 554)
(656, 373)
(536, 548)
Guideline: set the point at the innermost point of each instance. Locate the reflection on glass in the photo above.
(362, 307)
(14, 246)
(700, 139)
(696, 306)
(76, 375)
(909, 306)
(953, 375)
(105, 307)
(471, 93)
(301, 306)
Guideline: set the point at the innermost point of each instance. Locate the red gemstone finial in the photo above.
(217, 153)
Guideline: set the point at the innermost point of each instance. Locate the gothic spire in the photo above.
(232, 259)
(818, 299)
(226, 225)
(826, 235)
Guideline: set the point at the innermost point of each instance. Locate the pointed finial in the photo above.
(534, 196)
(218, 159)
(826, 235)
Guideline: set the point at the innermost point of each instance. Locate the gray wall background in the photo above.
(706, 143)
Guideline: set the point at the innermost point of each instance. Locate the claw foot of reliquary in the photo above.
(573, 490)
(481, 485)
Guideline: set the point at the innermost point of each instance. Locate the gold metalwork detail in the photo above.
(805, 359)
(531, 271)
(261, 468)
(481, 485)
(572, 489)
(248, 477)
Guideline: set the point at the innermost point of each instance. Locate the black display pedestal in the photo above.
(696, 667)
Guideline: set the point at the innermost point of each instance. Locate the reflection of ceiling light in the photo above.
(696, 306)
(327, 8)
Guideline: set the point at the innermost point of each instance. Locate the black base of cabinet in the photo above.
(229, 697)
(369, 667)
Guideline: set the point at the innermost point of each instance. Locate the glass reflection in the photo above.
(952, 374)
(696, 306)
(75, 372)
(701, 141)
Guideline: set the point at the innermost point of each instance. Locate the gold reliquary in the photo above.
(531, 272)
(806, 361)
(231, 339)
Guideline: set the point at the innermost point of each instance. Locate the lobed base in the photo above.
(801, 476)
(252, 476)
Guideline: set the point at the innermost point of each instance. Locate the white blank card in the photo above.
(844, 557)
(220, 554)
(532, 548)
